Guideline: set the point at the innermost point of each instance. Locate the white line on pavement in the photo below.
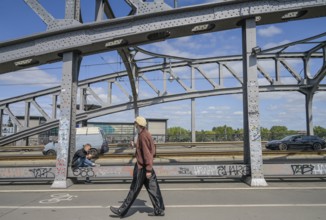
(164, 189)
(170, 206)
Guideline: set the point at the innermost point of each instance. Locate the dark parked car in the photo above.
(297, 141)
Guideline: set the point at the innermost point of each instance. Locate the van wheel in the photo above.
(51, 153)
(94, 152)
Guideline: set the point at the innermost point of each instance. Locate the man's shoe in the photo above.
(156, 214)
(88, 182)
(116, 211)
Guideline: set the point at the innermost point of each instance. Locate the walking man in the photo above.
(144, 173)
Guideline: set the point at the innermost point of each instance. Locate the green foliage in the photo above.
(226, 133)
(320, 131)
(278, 132)
(265, 134)
(178, 134)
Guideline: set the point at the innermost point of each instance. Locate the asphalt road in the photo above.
(222, 199)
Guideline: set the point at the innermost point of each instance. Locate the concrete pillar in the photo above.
(67, 124)
(252, 138)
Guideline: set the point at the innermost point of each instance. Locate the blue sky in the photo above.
(18, 20)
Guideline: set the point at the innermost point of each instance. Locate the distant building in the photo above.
(124, 132)
(115, 132)
(7, 129)
(39, 139)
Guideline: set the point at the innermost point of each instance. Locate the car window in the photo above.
(287, 138)
(297, 138)
(306, 138)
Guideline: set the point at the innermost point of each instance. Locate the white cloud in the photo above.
(269, 31)
(238, 113)
(222, 107)
(30, 77)
(275, 44)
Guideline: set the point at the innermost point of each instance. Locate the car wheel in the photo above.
(93, 152)
(283, 147)
(317, 146)
(51, 153)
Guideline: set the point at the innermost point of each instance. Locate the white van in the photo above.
(85, 135)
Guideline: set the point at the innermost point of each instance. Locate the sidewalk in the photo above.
(219, 199)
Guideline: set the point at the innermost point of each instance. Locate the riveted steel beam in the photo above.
(135, 30)
(40, 11)
(128, 61)
(67, 123)
(251, 120)
(1, 121)
(148, 102)
(142, 7)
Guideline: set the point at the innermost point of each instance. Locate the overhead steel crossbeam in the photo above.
(145, 28)
(166, 96)
(124, 53)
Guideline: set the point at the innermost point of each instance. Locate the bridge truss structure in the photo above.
(69, 39)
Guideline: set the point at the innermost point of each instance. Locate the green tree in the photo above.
(205, 136)
(178, 134)
(224, 133)
(278, 132)
(265, 134)
(320, 131)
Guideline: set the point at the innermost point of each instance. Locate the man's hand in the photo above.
(148, 174)
(89, 156)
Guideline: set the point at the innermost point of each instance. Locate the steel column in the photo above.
(72, 10)
(252, 138)
(109, 101)
(309, 123)
(277, 72)
(193, 107)
(99, 10)
(220, 75)
(54, 106)
(175, 3)
(26, 122)
(1, 121)
(67, 124)
(134, 82)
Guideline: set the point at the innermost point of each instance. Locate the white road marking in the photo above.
(170, 206)
(164, 189)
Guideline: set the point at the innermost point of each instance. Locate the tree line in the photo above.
(226, 133)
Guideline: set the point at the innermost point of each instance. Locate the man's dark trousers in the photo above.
(152, 187)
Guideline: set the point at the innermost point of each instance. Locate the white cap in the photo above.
(141, 121)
